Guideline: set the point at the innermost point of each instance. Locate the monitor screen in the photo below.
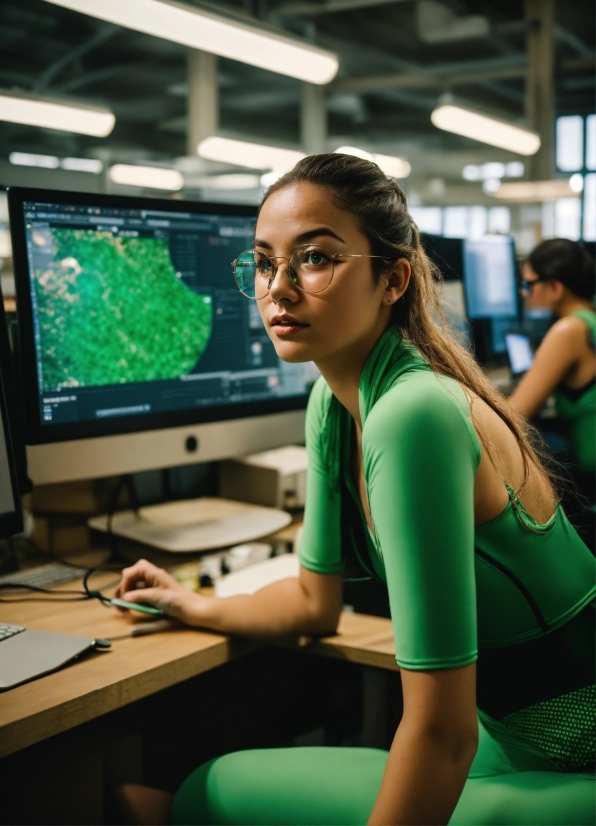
(490, 277)
(130, 320)
(519, 352)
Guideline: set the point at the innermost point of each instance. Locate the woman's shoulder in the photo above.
(571, 330)
(421, 400)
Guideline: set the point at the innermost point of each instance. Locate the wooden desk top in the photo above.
(136, 667)
(361, 639)
(101, 681)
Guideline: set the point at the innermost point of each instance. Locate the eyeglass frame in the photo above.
(332, 256)
(526, 286)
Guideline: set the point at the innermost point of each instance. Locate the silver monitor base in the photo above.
(195, 524)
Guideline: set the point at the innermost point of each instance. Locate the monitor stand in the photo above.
(194, 524)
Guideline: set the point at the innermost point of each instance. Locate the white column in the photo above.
(540, 91)
(203, 99)
(313, 119)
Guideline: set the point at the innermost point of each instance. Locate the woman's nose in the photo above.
(282, 285)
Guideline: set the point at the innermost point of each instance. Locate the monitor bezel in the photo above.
(11, 522)
(35, 432)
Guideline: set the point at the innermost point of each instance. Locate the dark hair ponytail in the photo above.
(379, 206)
(566, 261)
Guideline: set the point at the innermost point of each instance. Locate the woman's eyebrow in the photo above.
(305, 237)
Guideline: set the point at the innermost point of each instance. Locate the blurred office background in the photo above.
(528, 64)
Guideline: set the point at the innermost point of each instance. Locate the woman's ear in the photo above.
(397, 281)
(557, 289)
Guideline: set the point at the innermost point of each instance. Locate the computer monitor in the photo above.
(11, 520)
(137, 351)
(490, 277)
(447, 255)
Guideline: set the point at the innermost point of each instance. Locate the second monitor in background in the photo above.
(493, 302)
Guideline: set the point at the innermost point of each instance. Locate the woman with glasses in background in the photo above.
(559, 276)
(421, 470)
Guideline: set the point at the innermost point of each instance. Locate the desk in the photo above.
(137, 667)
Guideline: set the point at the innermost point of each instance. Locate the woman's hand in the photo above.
(144, 582)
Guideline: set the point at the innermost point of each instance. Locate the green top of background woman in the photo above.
(559, 276)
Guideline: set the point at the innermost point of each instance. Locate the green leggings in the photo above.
(326, 785)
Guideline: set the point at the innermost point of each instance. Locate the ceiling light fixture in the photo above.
(241, 180)
(209, 32)
(251, 155)
(49, 114)
(146, 177)
(29, 159)
(91, 165)
(462, 120)
(535, 191)
(390, 164)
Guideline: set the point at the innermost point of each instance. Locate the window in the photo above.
(570, 143)
(575, 218)
(428, 219)
(589, 222)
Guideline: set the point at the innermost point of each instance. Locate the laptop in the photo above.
(519, 353)
(28, 654)
(24, 654)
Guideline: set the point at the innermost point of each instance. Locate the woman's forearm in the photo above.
(424, 777)
(280, 609)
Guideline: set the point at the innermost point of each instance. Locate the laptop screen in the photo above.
(519, 352)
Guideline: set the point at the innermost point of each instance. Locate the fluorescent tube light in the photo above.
(238, 181)
(48, 114)
(213, 33)
(29, 159)
(393, 166)
(390, 164)
(147, 177)
(484, 128)
(269, 178)
(251, 155)
(535, 191)
(82, 165)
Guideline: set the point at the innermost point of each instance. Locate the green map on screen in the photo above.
(111, 310)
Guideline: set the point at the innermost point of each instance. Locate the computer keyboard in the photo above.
(7, 630)
(44, 576)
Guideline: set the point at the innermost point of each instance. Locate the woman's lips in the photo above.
(286, 326)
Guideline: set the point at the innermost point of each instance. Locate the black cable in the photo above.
(81, 596)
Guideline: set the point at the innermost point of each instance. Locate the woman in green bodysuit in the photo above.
(419, 468)
(559, 275)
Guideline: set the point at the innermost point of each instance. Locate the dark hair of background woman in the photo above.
(566, 261)
(379, 206)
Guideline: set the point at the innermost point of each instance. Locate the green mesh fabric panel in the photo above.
(564, 728)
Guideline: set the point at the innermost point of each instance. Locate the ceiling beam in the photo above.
(299, 9)
(54, 69)
(433, 78)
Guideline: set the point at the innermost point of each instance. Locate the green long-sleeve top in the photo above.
(578, 408)
(453, 587)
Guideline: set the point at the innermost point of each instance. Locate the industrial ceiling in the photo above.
(396, 58)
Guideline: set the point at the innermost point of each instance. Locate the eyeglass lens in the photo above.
(310, 268)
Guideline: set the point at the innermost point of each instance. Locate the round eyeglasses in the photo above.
(310, 268)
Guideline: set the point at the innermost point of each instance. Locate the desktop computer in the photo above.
(492, 298)
(480, 289)
(136, 349)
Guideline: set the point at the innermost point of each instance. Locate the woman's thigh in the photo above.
(338, 787)
(309, 785)
(527, 798)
